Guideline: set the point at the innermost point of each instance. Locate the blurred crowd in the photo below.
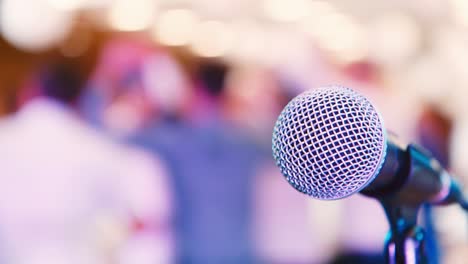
(145, 156)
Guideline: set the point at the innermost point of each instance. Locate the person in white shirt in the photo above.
(70, 195)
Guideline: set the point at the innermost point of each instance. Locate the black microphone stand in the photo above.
(405, 242)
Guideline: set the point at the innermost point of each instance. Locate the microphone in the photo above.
(330, 143)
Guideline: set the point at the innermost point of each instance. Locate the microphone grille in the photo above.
(329, 142)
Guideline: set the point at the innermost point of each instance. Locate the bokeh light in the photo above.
(175, 27)
(291, 10)
(132, 15)
(213, 39)
(394, 38)
(33, 25)
(67, 5)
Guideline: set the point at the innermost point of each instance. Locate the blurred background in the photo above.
(139, 131)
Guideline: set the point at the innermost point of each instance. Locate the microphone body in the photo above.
(410, 175)
(330, 143)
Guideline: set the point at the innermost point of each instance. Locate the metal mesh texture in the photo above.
(329, 142)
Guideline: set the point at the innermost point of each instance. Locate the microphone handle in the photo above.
(410, 175)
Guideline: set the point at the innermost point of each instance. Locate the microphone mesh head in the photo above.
(329, 142)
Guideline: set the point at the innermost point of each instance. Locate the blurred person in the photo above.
(253, 100)
(115, 99)
(212, 164)
(134, 84)
(70, 195)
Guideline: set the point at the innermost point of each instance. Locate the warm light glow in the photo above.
(97, 3)
(427, 76)
(250, 41)
(67, 5)
(394, 38)
(132, 15)
(337, 33)
(33, 25)
(460, 11)
(291, 10)
(284, 47)
(175, 27)
(218, 8)
(449, 48)
(318, 10)
(342, 36)
(212, 39)
(269, 46)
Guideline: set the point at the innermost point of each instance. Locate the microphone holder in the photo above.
(412, 177)
(405, 242)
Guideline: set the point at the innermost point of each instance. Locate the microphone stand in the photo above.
(418, 179)
(405, 242)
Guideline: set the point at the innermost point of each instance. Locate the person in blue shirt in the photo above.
(212, 164)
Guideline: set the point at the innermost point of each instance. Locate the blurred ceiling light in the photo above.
(318, 9)
(292, 10)
(132, 15)
(250, 41)
(220, 8)
(460, 11)
(449, 47)
(393, 39)
(284, 47)
(428, 79)
(96, 3)
(33, 25)
(67, 5)
(268, 46)
(213, 39)
(343, 37)
(175, 27)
